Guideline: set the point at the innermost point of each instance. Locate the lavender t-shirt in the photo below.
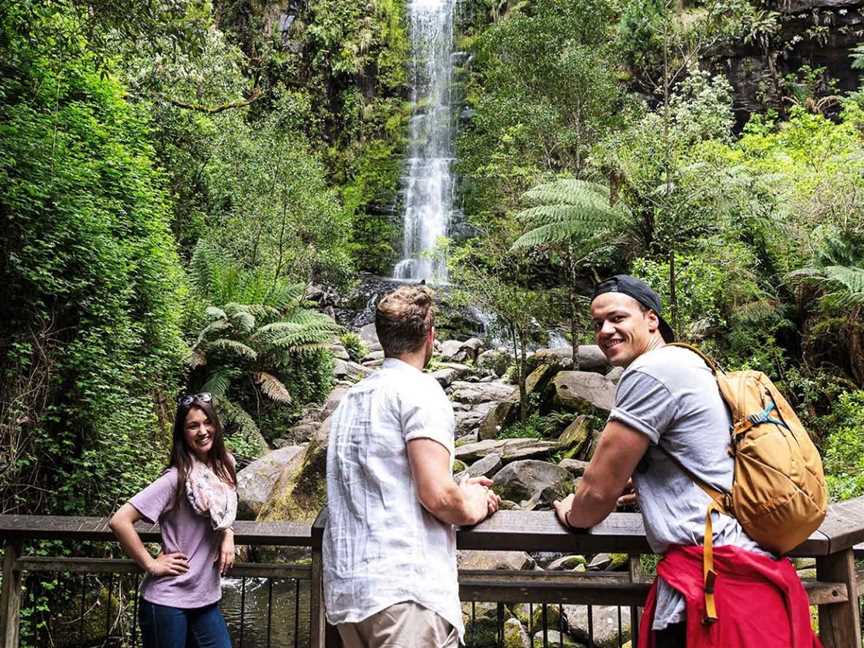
(188, 533)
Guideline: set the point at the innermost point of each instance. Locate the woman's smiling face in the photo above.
(198, 433)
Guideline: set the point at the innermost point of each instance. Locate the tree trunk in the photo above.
(574, 323)
(673, 294)
(856, 344)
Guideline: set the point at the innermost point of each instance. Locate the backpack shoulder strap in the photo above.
(712, 364)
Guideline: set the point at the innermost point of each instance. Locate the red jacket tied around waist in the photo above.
(760, 601)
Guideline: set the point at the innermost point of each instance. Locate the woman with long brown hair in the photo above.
(195, 502)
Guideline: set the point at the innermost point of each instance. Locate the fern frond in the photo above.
(552, 234)
(236, 419)
(215, 313)
(272, 387)
(196, 359)
(233, 347)
(219, 382)
(569, 192)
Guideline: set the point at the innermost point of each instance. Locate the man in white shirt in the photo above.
(390, 542)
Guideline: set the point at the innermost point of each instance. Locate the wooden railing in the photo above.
(835, 590)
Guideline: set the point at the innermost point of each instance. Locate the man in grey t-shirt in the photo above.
(667, 398)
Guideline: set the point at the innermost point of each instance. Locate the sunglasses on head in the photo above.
(187, 399)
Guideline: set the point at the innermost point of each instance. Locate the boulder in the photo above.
(499, 416)
(333, 399)
(614, 374)
(507, 449)
(574, 436)
(555, 639)
(515, 635)
(339, 352)
(256, 481)
(351, 370)
(476, 392)
(604, 624)
(574, 389)
(567, 563)
(494, 361)
(560, 356)
(301, 490)
(574, 466)
(449, 372)
(370, 336)
(485, 467)
(452, 351)
(486, 560)
(470, 418)
(372, 356)
(472, 347)
(530, 482)
(591, 358)
(303, 431)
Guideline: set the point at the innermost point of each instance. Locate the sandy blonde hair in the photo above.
(403, 318)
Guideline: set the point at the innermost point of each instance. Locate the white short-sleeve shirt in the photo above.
(381, 546)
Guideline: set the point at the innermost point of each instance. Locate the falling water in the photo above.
(429, 183)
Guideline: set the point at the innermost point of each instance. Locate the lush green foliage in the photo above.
(844, 450)
(92, 283)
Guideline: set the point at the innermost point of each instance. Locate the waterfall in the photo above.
(428, 181)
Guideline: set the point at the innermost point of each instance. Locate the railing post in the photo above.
(10, 599)
(321, 635)
(839, 623)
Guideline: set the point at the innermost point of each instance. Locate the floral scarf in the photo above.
(209, 495)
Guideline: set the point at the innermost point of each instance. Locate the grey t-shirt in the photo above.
(670, 395)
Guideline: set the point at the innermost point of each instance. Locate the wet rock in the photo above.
(554, 639)
(333, 399)
(303, 431)
(372, 356)
(572, 440)
(560, 356)
(600, 562)
(452, 351)
(567, 563)
(590, 358)
(494, 361)
(469, 419)
(449, 372)
(499, 416)
(470, 559)
(350, 370)
(370, 336)
(515, 635)
(574, 466)
(605, 624)
(486, 467)
(477, 392)
(614, 374)
(473, 347)
(574, 389)
(530, 482)
(255, 482)
(339, 352)
(507, 449)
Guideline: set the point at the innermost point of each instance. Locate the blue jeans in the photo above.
(169, 627)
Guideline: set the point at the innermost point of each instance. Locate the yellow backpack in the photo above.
(778, 492)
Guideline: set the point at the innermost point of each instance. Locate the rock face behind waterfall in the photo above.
(530, 463)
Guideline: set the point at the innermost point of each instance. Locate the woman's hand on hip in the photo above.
(225, 559)
(173, 564)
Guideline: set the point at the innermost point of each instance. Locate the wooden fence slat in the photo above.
(10, 598)
(840, 623)
(123, 566)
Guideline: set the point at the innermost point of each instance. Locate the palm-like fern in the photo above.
(246, 350)
(569, 212)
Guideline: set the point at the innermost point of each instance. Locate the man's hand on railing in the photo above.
(173, 564)
(628, 496)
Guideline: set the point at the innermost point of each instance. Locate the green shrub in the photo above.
(354, 345)
(844, 448)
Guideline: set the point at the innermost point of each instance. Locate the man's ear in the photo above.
(653, 321)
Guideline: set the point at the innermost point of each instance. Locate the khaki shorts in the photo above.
(404, 625)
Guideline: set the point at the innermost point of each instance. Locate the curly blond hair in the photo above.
(403, 318)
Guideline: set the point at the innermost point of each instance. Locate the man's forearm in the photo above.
(590, 505)
(452, 505)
